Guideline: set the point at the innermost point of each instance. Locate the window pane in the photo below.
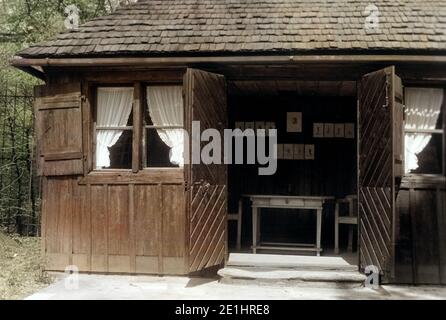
(114, 106)
(164, 148)
(114, 109)
(423, 107)
(165, 106)
(117, 155)
(423, 153)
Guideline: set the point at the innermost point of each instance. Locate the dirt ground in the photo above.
(20, 267)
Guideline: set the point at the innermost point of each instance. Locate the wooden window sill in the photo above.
(146, 176)
(423, 181)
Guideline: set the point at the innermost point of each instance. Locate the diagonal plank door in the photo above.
(380, 149)
(205, 99)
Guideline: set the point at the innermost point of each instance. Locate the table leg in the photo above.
(259, 225)
(350, 238)
(337, 228)
(239, 225)
(350, 229)
(254, 230)
(319, 231)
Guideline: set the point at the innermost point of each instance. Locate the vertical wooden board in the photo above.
(51, 217)
(118, 222)
(99, 220)
(147, 219)
(81, 227)
(81, 220)
(99, 233)
(173, 222)
(441, 211)
(58, 223)
(403, 250)
(65, 207)
(426, 237)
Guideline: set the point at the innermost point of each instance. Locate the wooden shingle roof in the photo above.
(198, 27)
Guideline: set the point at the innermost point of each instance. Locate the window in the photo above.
(114, 128)
(424, 131)
(163, 127)
(162, 139)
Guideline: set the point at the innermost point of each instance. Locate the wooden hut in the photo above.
(116, 196)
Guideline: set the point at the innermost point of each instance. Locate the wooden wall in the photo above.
(116, 228)
(421, 237)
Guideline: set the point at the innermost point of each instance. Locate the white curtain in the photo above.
(113, 110)
(165, 105)
(423, 106)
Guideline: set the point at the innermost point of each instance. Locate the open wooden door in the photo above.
(205, 102)
(380, 163)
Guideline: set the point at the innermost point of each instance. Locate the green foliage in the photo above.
(23, 22)
(29, 21)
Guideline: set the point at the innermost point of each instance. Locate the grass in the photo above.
(21, 267)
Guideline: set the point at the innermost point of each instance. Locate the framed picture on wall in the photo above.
(270, 125)
(299, 152)
(328, 130)
(350, 130)
(294, 122)
(249, 125)
(240, 125)
(309, 152)
(318, 130)
(288, 151)
(280, 155)
(260, 125)
(339, 130)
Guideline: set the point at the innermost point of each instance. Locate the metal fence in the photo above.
(19, 186)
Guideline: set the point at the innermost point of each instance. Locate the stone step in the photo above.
(293, 262)
(282, 276)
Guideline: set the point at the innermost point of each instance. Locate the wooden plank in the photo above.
(173, 221)
(147, 265)
(148, 209)
(118, 223)
(426, 241)
(132, 227)
(99, 229)
(119, 263)
(144, 177)
(441, 217)
(404, 246)
(62, 156)
(172, 61)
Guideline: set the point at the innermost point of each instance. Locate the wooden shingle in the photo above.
(153, 27)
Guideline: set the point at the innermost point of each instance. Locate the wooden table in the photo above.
(286, 202)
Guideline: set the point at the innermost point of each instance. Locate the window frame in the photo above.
(145, 127)
(433, 132)
(95, 128)
(139, 107)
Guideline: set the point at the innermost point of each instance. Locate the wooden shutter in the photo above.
(205, 101)
(58, 127)
(380, 162)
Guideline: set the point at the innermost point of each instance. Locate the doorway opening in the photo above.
(327, 125)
